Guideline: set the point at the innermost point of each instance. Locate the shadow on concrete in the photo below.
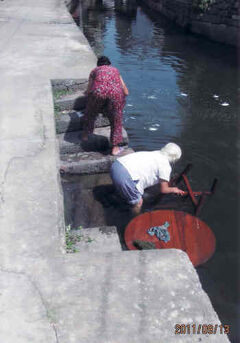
(80, 103)
(116, 211)
(98, 143)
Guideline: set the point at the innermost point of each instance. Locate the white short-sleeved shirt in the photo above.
(147, 167)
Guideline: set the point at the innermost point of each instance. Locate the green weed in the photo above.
(59, 93)
(71, 240)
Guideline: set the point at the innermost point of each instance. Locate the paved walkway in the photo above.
(46, 295)
(39, 42)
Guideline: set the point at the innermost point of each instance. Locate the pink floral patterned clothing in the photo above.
(105, 95)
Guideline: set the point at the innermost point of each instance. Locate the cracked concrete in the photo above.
(47, 296)
(38, 149)
(16, 288)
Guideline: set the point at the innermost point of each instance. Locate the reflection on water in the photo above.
(184, 89)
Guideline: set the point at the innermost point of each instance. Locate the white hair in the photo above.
(172, 151)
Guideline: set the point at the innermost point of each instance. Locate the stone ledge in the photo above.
(98, 239)
(89, 162)
(217, 32)
(75, 101)
(109, 297)
(73, 121)
(70, 142)
(69, 84)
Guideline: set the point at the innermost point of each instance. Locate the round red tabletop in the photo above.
(187, 233)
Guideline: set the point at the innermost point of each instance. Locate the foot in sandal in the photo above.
(116, 150)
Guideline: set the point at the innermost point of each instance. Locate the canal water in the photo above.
(183, 88)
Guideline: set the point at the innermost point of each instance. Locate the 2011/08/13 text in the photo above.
(205, 329)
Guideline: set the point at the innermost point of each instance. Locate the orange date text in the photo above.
(204, 329)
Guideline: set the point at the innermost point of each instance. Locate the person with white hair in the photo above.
(132, 173)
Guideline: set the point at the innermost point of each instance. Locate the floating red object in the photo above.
(187, 233)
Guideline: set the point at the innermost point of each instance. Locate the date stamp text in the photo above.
(204, 329)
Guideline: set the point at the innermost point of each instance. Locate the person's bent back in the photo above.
(132, 173)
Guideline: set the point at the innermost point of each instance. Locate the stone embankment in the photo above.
(216, 19)
(47, 295)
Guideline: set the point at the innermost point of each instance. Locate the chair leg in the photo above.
(200, 204)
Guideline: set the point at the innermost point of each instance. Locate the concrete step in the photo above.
(73, 121)
(127, 296)
(93, 240)
(73, 101)
(70, 142)
(89, 162)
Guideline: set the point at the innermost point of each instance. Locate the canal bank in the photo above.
(46, 295)
(218, 20)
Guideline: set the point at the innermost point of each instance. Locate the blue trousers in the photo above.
(124, 184)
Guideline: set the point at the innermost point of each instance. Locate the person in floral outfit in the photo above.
(106, 93)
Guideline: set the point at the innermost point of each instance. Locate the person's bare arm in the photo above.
(125, 90)
(165, 188)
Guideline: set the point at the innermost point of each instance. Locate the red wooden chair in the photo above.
(198, 204)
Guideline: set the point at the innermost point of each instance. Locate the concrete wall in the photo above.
(220, 22)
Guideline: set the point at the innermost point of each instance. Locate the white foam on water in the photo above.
(152, 97)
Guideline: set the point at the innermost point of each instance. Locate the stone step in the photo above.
(66, 85)
(73, 101)
(89, 162)
(73, 121)
(93, 240)
(70, 142)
